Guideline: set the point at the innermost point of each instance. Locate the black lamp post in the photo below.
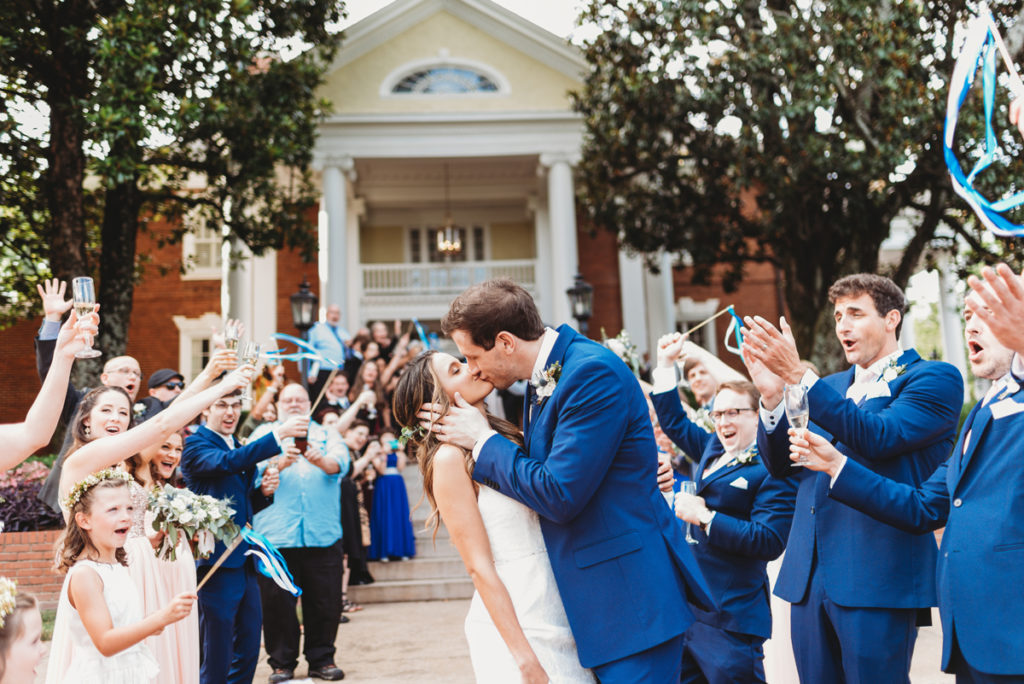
(581, 301)
(303, 313)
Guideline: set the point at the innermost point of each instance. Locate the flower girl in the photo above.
(21, 629)
(98, 633)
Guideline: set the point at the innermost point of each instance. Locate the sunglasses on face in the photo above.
(174, 385)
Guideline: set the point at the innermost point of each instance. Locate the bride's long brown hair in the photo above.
(419, 385)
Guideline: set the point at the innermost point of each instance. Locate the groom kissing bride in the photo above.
(588, 469)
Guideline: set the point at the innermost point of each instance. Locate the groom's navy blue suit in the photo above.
(978, 494)
(839, 560)
(753, 513)
(622, 567)
(230, 616)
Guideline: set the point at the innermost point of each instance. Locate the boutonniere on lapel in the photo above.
(747, 456)
(893, 371)
(544, 382)
(138, 409)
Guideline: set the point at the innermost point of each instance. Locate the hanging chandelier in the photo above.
(449, 243)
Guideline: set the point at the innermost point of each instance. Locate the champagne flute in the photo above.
(371, 410)
(232, 331)
(84, 294)
(249, 356)
(689, 487)
(798, 413)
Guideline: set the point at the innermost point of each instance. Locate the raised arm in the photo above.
(108, 451)
(221, 360)
(21, 440)
(456, 501)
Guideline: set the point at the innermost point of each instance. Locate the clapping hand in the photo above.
(773, 347)
(462, 426)
(998, 300)
(52, 293)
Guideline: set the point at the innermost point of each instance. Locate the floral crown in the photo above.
(91, 481)
(412, 433)
(8, 592)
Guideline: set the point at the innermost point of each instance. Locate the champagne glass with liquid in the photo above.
(232, 331)
(798, 412)
(689, 487)
(249, 356)
(84, 295)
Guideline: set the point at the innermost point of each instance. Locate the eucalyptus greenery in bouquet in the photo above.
(201, 519)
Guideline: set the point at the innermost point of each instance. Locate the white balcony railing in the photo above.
(441, 280)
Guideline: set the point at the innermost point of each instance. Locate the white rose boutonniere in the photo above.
(892, 371)
(544, 382)
(138, 409)
(747, 456)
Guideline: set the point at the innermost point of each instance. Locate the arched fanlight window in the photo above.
(445, 80)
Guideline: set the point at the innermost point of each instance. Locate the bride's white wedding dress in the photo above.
(521, 560)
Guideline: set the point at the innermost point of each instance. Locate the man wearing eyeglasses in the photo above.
(741, 518)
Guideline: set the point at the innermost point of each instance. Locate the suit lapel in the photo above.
(709, 456)
(566, 336)
(724, 470)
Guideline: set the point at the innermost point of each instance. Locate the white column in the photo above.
(335, 204)
(633, 299)
(541, 241)
(239, 279)
(953, 346)
(564, 252)
(354, 316)
(660, 295)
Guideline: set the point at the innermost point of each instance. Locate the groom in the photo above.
(622, 567)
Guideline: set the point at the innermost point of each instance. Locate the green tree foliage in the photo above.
(153, 109)
(730, 131)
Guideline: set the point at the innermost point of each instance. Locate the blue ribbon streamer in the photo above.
(980, 45)
(734, 330)
(428, 342)
(311, 354)
(269, 561)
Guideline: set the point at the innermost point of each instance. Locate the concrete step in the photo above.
(438, 567)
(412, 590)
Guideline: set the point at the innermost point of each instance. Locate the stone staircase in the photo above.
(436, 573)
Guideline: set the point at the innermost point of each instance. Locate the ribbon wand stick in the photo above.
(1016, 84)
(708, 320)
(220, 561)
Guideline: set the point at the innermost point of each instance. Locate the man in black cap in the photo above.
(164, 387)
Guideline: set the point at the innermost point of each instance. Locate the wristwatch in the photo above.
(705, 517)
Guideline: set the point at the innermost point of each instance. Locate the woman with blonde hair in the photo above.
(516, 627)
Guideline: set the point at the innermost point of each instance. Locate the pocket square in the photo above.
(1006, 407)
(740, 483)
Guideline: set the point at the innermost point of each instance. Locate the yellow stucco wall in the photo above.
(512, 241)
(381, 244)
(355, 88)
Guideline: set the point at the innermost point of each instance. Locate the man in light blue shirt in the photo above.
(304, 523)
(329, 339)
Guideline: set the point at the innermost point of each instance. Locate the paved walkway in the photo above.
(423, 642)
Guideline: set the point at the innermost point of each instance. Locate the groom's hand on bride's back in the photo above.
(462, 426)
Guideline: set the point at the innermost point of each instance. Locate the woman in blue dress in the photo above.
(391, 534)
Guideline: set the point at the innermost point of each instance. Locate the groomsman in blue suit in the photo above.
(589, 470)
(214, 462)
(740, 517)
(976, 494)
(856, 584)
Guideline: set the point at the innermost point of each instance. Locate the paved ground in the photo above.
(399, 643)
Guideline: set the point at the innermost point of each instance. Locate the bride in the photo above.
(516, 627)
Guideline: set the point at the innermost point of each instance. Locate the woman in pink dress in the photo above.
(159, 581)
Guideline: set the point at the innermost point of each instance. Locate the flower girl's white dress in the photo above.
(521, 560)
(74, 658)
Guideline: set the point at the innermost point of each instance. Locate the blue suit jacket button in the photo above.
(958, 502)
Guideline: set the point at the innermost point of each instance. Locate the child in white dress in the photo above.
(99, 629)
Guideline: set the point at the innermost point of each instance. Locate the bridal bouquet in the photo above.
(200, 518)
